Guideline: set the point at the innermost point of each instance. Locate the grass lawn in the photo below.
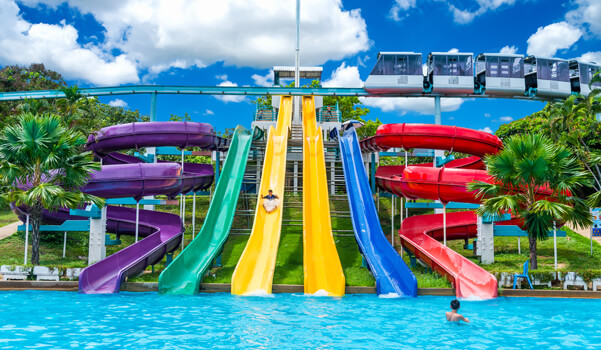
(573, 251)
(7, 217)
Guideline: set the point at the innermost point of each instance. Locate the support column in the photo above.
(295, 177)
(486, 242)
(373, 172)
(27, 239)
(333, 177)
(64, 244)
(392, 220)
(152, 150)
(437, 121)
(97, 248)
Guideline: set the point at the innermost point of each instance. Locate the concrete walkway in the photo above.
(586, 233)
(9, 229)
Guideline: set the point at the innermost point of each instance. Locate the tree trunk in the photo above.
(36, 220)
(533, 256)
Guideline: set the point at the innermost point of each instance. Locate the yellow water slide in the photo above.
(254, 272)
(323, 271)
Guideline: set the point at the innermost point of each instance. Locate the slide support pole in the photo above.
(193, 214)
(555, 244)
(392, 221)
(137, 218)
(444, 222)
(64, 244)
(26, 239)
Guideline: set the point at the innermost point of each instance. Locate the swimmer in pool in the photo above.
(453, 315)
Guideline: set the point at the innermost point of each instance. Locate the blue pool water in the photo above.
(63, 320)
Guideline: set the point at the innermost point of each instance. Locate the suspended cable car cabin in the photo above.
(500, 74)
(450, 73)
(581, 75)
(396, 72)
(547, 77)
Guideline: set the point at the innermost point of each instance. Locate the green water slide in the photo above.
(184, 274)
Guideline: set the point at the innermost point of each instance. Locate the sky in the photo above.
(237, 42)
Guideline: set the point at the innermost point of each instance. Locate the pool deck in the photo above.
(72, 286)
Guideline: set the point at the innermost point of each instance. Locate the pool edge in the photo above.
(291, 288)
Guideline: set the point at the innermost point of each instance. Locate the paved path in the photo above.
(586, 233)
(9, 229)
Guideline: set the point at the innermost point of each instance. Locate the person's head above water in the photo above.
(455, 304)
(270, 191)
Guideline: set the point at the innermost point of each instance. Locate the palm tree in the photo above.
(574, 122)
(43, 166)
(76, 110)
(528, 166)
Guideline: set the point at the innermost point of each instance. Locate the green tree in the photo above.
(528, 165)
(574, 122)
(25, 78)
(43, 165)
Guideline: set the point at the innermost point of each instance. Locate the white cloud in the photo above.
(509, 49)
(587, 15)
(453, 50)
(486, 129)
(263, 80)
(487, 115)
(594, 56)
(208, 112)
(401, 6)
(118, 103)
(348, 76)
(230, 98)
(506, 119)
(159, 34)
(56, 46)
(421, 105)
(344, 76)
(464, 16)
(557, 36)
(222, 77)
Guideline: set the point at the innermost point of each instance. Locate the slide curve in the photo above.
(420, 234)
(126, 176)
(322, 268)
(392, 275)
(184, 274)
(254, 271)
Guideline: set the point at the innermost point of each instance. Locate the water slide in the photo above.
(322, 269)
(184, 274)
(254, 272)
(392, 275)
(421, 234)
(126, 176)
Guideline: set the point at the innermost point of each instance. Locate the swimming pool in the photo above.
(64, 320)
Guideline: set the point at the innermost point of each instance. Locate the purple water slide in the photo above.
(127, 176)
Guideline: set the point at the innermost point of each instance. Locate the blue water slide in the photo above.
(392, 275)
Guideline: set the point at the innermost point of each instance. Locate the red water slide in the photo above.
(420, 234)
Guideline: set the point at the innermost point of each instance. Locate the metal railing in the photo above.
(328, 114)
(264, 113)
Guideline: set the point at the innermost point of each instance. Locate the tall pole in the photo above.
(194, 214)
(137, 219)
(555, 244)
(444, 222)
(297, 63)
(297, 57)
(392, 221)
(591, 233)
(27, 238)
(401, 223)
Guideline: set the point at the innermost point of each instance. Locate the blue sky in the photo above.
(186, 42)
